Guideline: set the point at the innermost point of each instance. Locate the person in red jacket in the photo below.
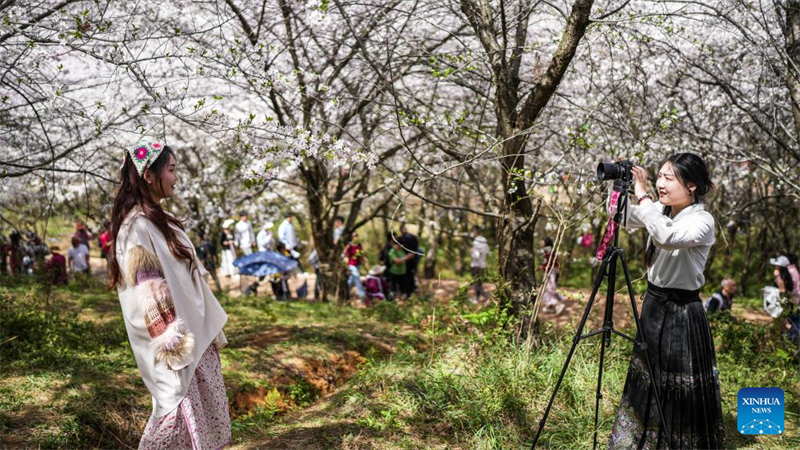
(105, 240)
(355, 257)
(57, 267)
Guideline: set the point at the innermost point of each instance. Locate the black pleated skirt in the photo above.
(681, 352)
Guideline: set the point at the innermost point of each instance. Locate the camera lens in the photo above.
(608, 171)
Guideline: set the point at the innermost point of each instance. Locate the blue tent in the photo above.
(261, 264)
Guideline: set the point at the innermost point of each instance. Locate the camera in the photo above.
(620, 170)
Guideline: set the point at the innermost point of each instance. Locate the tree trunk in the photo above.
(792, 36)
(333, 280)
(320, 229)
(516, 238)
(515, 116)
(748, 253)
(463, 246)
(429, 270)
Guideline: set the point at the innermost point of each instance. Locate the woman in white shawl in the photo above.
(173, 320)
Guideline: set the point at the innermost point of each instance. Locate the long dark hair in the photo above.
(792, 258)
(788, 283)
(134, 192)
(689, 169)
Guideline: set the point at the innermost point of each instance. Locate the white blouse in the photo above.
(682, 243)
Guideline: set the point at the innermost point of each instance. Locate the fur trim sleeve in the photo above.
(172, 343)
(140, 260)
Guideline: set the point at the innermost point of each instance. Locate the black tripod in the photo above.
(607, 268)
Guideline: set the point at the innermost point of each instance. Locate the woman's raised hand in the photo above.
(639, 180)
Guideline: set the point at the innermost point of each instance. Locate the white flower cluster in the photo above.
(316, 13)
(291, 145)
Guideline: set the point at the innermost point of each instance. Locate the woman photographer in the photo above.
(673, 321)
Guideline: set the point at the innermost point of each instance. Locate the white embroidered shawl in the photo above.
(194, 304)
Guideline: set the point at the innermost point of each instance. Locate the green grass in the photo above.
(484, 394)
(69, 379)
(487, 393)
(428, 375)
(59, 370)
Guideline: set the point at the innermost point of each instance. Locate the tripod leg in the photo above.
(599, 393)
(608, 324)
(595, 288)
(643, 345)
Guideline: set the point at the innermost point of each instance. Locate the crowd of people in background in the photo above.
(786, 289)
(392, 278)
(787, 280)
(26, 254)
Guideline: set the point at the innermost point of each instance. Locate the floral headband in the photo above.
(143, 154)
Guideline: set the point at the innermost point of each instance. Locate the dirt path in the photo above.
(576, 303)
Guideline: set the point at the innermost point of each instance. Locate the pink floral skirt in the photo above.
(202, 420)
